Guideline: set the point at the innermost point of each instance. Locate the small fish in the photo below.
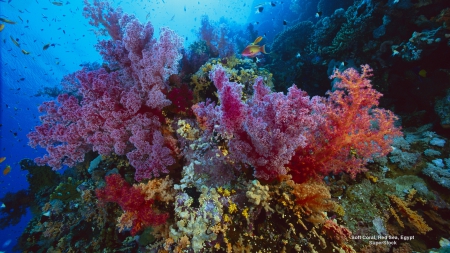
(259, 9)
(25, 52)
(6, 170)
(284, 22)
(148, 15)
(2, 159)
(253, 50)
(57, 3)
(64, 32)
(273, 4)
(7, 21)
(14, 41)
(46, 46)
(2, 26)
(7, 243)
(3, 205)
(257, 40)
(423, 73)
(318, 14)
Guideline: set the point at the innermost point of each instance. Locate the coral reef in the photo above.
(212, 156)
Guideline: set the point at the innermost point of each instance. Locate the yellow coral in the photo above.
(160, 189)
(232, 208)
(226, 193)
(413, 217)
(245, 212)
(187, 131)
(226, 218)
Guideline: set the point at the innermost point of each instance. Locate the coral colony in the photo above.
(226, 165)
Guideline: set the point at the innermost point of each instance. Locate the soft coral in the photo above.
(139, 212)
(354, 130)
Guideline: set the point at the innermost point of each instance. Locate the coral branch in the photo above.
(138, 209)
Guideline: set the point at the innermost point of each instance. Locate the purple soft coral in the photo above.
(117, 110)
(266, 130)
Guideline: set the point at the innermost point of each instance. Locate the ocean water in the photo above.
(43, 41)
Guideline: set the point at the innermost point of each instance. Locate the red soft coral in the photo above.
(139, 212)
(354, 130)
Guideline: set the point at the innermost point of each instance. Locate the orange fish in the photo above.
(6, 170)
(253, 49)
(2, 159)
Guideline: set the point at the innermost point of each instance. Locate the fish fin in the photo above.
(263, 49)
(257, 40)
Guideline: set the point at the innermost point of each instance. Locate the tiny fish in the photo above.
(14, 41)
(6, 170)
(57, 3)
(46, 46)
(7, 21)
(25, 52)
(259, 9)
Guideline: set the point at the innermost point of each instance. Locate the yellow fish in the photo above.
(25, 52)
(423, 73)
(257, 40)
(7, 21)
(14, 41)
(254, 50)
(2, 26)
(2, 159)
(6, 170)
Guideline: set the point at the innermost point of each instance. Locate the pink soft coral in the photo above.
(265, 131)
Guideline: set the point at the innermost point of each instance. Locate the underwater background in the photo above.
(174, 126)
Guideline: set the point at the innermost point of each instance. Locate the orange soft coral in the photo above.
(413, 217)
(158, 189)
(313, 199)
(354, 131)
